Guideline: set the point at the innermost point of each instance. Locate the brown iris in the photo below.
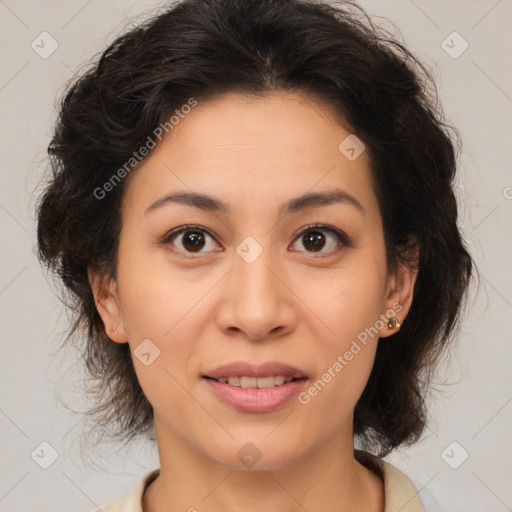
(193, 240)
(315, 240)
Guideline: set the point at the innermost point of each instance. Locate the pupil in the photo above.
(194, 240)
(315, 239)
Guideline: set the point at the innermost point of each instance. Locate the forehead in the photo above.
(254, 151)
(236, 121)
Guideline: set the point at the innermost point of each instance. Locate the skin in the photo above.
(291, 304)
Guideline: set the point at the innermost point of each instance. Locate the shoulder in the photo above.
(400, 493)
(132, 501)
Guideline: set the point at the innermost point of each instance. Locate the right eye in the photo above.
(192, 239)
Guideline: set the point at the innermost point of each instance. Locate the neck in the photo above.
(327, 478)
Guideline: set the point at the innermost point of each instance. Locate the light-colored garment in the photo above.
(400, 495)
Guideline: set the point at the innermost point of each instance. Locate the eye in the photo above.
(196, 240)
(192, 239)
(314, 239)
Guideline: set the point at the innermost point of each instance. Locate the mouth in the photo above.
(248, 382)
(255, 388)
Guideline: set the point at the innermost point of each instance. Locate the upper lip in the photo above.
(241, 368)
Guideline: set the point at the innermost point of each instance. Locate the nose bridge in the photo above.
(256, 286)
(256, 301)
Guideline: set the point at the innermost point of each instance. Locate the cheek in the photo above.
(156, 297)
(348, 303)
(347, 300)
(344, 363)
(154, 307)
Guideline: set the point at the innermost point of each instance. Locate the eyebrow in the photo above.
(211, 204)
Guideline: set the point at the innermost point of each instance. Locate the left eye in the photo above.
(314, 239)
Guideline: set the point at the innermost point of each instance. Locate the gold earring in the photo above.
(393, 323)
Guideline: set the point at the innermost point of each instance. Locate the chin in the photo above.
(258, 454)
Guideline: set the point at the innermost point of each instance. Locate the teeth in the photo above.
(279, 379)
(248, 382)
(256, 382)
(234, 381)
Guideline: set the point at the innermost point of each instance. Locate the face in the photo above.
(253, 276)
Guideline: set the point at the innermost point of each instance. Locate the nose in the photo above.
(257, 303)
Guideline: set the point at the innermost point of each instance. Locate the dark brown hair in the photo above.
(203, 49)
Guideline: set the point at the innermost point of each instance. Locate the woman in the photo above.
(252, 207)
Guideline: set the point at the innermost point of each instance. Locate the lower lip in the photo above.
(255, 399)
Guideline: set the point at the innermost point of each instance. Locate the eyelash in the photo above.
(341, 237)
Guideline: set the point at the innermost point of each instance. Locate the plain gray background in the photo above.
(473, 409)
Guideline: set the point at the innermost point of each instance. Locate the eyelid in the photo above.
(181, 229)
(342, 236)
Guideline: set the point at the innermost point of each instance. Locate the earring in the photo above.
(114, 328)
(393, 323)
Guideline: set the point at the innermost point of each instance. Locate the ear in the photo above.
(104, 289)
(400, 290)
